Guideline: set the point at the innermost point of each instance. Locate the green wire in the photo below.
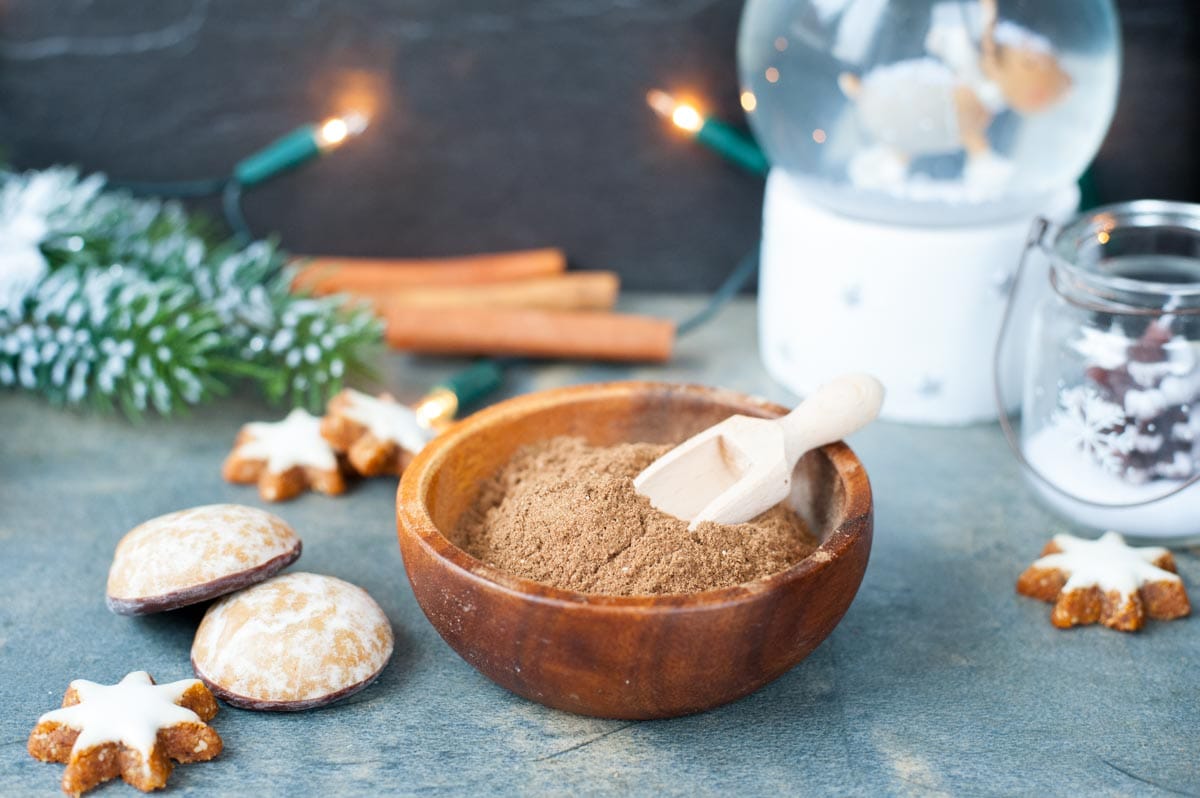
(726, 291)
(179, 189)
(231, 206)
(229, 189)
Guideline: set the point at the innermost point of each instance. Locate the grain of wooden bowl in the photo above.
(612, 656)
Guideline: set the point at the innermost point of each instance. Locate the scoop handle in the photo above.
(844, 405)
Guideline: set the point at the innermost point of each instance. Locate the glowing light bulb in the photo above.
(683, 115)
(437, 410)
(334, 131)
(687, 118)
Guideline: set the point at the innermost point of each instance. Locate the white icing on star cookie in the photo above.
(1105, 581)
(1108, 563)
(387, 420)
(295, 441)
(130, 712)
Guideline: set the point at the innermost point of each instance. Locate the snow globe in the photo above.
(912, 143)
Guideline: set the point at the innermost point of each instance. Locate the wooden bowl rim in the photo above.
(413, 516)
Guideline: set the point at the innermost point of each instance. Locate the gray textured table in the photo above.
(939, 680)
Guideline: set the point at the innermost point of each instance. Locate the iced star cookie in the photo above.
(132, 729)
(294, 642)
(285, 458)
(195, 555)
(1105, 581)
(378, 434)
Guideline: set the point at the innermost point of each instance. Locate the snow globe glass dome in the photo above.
(930, 111)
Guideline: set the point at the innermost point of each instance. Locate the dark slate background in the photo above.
(496, 125)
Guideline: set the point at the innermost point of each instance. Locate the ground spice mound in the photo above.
(566, 514)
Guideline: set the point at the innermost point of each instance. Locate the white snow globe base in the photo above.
(918, 307)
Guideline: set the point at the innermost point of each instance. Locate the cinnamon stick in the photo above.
(570, 291)
(332, 275)
(583, 335)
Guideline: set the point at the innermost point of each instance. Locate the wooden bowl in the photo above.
(619, 656)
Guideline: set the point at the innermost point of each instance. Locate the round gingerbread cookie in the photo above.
(294, 642)
(195, 555)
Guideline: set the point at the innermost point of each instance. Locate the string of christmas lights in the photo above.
(288, 152)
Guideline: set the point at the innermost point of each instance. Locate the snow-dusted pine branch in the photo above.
(110, 300)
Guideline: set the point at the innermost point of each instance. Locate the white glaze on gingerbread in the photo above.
(193, 547)
(130, 712)
(387, 420)
(1108, 564)
(294, 639)
(295, 441)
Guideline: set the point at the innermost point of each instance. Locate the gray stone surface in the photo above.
(939, 681)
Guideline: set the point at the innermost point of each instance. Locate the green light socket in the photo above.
(288, 152)
(733, 145)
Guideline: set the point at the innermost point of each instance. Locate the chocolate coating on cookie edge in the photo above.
(196, 594)
(263, 705)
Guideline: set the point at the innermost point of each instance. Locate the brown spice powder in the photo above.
(566, 514)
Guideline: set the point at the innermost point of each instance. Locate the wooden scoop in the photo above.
(735, 470)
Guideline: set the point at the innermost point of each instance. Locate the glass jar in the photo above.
(1110, 430)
